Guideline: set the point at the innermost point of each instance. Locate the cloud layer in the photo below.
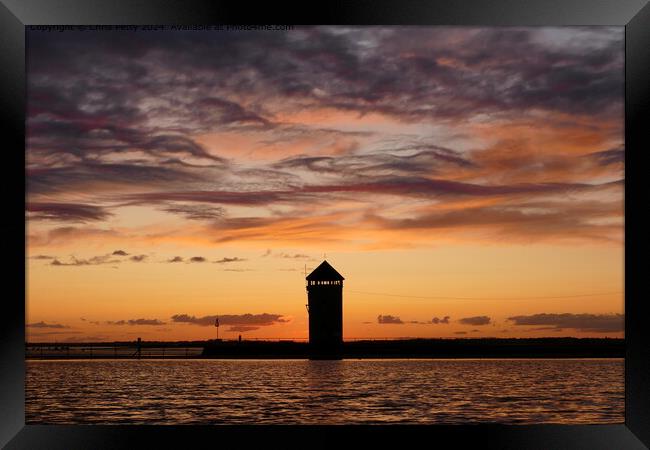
(598, 323)
(476, 133)
(264, 319)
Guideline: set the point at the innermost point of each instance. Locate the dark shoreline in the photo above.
(434, 348)
(373, 349)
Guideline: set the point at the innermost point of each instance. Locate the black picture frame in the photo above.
(16, 14)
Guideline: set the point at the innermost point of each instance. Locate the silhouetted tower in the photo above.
(325, 307)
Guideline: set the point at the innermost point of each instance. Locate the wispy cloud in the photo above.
(476, 320)
(242, 328)
(388, 319)
(154, 322)
(292, 256)
(437, 320)
(66, 212)
(196, 212)
(227, 260)
(42, 324)
(93, 261)
(38, 333)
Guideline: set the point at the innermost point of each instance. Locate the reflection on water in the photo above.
(324, 392)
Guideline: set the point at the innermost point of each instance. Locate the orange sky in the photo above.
(442, 176)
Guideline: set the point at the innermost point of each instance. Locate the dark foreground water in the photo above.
(325, 392)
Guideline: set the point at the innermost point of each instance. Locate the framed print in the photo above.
(379, 220)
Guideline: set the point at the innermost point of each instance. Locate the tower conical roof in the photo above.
(325, 272)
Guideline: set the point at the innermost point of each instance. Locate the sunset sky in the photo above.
(467, 182)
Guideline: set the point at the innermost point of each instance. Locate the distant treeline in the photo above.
(143, 344)
(400, 348)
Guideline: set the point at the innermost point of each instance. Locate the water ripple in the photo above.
(324, 392)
